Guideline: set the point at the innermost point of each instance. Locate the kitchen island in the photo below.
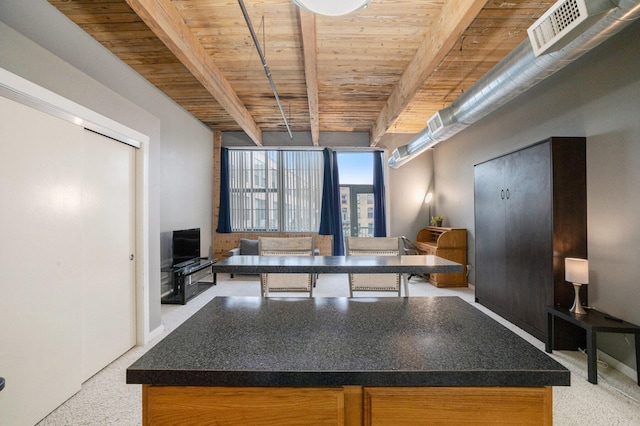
(351, 361)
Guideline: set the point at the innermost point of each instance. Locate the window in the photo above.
(356, 193)
(277, 191)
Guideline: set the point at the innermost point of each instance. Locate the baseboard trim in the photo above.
(154, 333)
(620, 366)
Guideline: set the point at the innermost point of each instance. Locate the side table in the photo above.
(592, 322)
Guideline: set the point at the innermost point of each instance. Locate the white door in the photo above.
(40, 250)
(108, 292)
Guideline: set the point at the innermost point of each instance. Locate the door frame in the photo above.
(354, 191)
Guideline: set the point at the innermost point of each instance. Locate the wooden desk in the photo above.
(348, 361)
(593, 322)
(448, 243)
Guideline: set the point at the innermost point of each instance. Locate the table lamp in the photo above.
(576, 271)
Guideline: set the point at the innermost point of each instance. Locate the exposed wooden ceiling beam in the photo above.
(166, 23)
(308, 30)
(359, 59)
(455, 17)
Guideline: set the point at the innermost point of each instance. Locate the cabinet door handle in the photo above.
(508, 194)
(502, 194)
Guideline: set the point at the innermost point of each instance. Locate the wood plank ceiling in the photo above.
(383, 69)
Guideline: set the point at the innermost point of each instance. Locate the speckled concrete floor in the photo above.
(106, 399)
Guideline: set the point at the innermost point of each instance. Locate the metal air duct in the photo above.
(516, 73)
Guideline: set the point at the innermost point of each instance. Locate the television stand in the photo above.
(186, 281)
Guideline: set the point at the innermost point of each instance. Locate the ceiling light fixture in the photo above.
(332, 7)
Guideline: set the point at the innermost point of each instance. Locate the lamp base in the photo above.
(577, 306)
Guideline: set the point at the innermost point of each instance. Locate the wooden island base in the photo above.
(348, 405)
(345, 361)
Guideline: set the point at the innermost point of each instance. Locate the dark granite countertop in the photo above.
(419, 341)
(411, 264)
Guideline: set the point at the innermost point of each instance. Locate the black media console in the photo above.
(185, 280)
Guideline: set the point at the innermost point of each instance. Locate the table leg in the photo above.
(548, 346)
(592, 357)
(406, 285)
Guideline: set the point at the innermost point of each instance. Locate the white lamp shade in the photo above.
(576, 270)
(331, 7)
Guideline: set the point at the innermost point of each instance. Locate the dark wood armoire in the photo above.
(531, 213)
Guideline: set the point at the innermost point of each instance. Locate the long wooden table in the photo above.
(345, 361)
(409, 264)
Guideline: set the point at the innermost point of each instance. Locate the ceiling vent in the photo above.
(440, 121)
(564, 21)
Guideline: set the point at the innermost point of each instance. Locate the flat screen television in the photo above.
(186, 245)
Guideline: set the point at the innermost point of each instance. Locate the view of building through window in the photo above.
(356, 193)
(275, 190)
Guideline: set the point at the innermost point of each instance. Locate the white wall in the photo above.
(597, 97)
(186, 182)
(408, 186)
(69, 62)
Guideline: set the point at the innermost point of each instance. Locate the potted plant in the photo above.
(436, 220)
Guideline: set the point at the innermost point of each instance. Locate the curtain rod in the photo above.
(302, 148)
